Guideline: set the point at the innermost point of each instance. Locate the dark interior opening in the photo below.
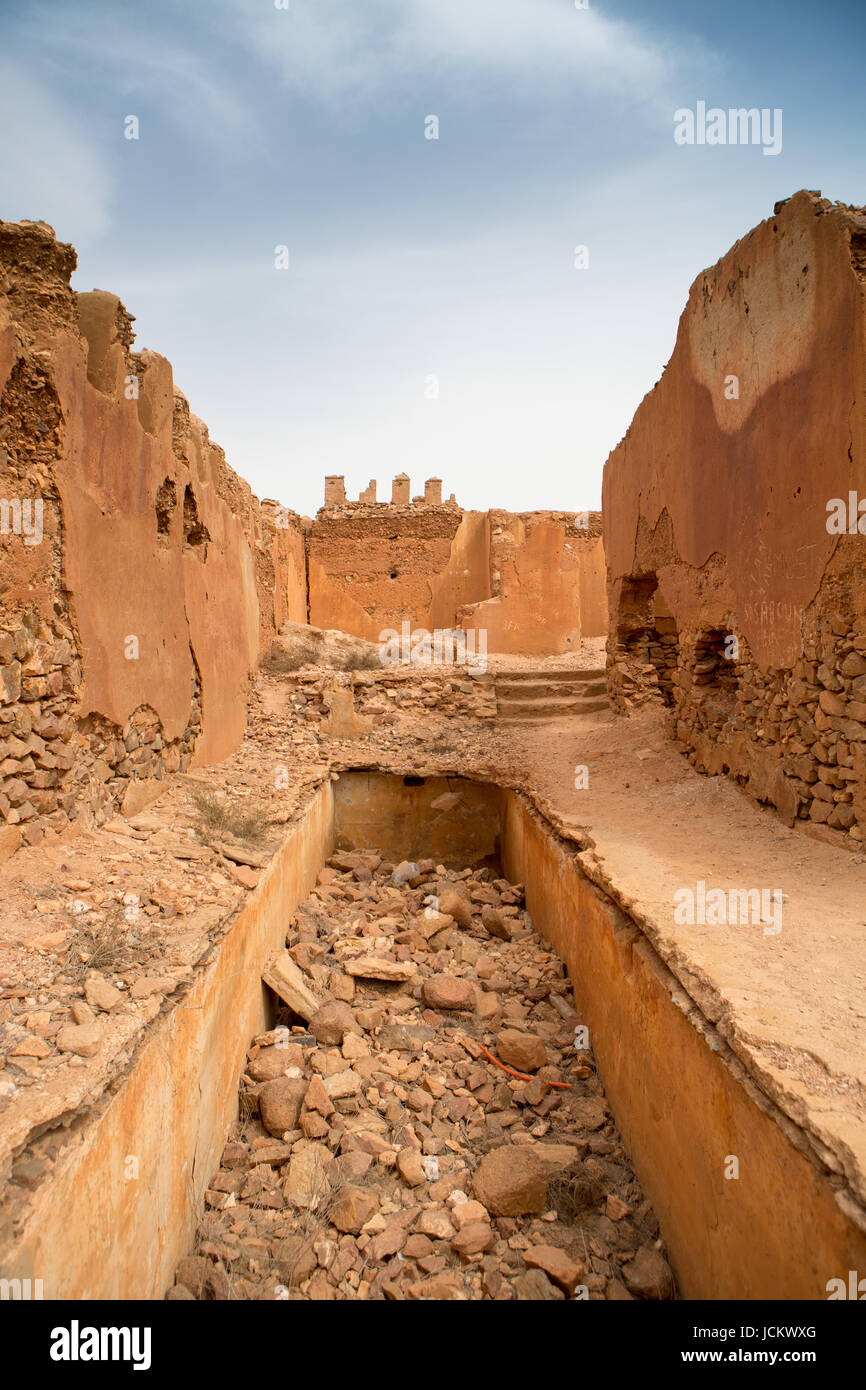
(195, 533)
(715, 663)
(166, 501)
(647, 630)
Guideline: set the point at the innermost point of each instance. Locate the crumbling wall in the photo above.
(466, 578)
(379, 561)
(130, 618)
(732, 594)
(375, 699)
(281, 570)
(534, 582)
(548, 591)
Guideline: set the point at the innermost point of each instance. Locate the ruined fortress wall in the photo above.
(281, 571)
(548, 591)
(381, 560)
(466, 577)
(716, 520)
(131, 619)
(534, 582)
(593, 590)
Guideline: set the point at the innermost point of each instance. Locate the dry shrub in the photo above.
(573, 1191)
(102, 944)
(220, 817)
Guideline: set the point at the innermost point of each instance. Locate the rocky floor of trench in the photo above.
(380, 1152)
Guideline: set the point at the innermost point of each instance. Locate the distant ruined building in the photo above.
(533, 581)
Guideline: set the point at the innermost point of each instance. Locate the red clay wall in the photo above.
(534, 582)
(372, 567)
(715, 513)
(547, 578)
(129, 631)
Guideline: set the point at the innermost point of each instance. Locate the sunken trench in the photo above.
(436, 1129)
(298, 1123)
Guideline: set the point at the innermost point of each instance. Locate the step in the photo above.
(550, 697)
(552, 702)
(550, 709)
(530, 690)
(582, 673)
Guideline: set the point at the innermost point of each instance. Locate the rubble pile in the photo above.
(425, 1121)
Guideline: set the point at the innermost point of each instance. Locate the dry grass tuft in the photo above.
(104, 944)
(219, 817)
(573, 1191)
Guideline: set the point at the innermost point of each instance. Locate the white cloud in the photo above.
(49, 167)
(333, 50)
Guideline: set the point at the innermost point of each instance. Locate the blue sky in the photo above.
(412, 258)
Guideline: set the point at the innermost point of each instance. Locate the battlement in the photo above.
(401, 494)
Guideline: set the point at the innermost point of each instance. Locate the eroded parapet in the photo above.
(137, 569)
(734, 535)
(335, 490)
(401, 494)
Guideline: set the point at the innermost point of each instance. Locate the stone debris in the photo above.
(448, 992)
(282, 975)
(100, 993)
(374, 968)
(381, 1154)
(83, 1039)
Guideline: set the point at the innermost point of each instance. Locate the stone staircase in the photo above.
(527, 697)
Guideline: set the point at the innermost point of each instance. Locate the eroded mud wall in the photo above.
(733, 595)
(138, 571)
(548, 590)
(374, 566)
(533, 582)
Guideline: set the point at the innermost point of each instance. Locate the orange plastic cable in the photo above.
(560, 1085)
